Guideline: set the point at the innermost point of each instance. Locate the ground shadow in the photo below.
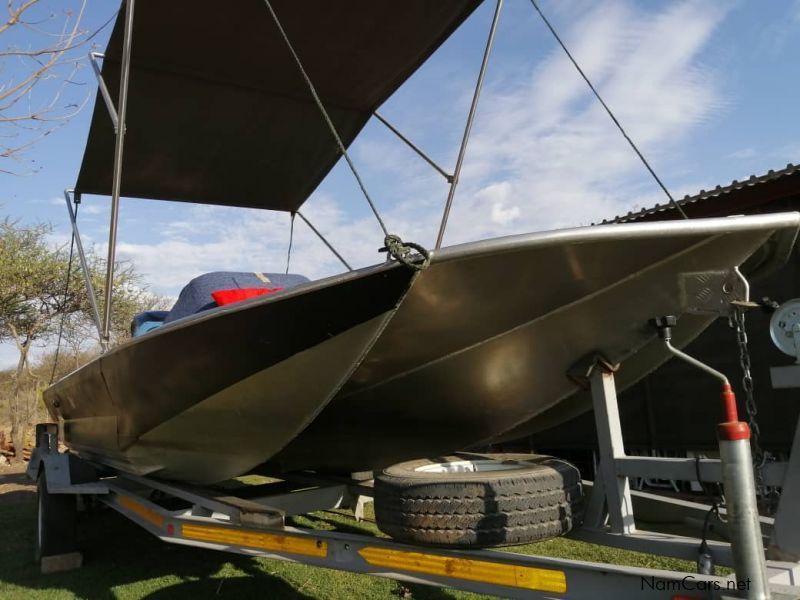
(330, 523)
(118, 552)
(15, 487)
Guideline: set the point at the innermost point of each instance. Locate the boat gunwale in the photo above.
(488, 247)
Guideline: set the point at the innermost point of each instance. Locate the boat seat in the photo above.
(147, 321)
(196, 296)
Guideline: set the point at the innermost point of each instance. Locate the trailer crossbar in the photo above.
(504, 574)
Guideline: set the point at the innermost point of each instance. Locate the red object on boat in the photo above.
(223, 297)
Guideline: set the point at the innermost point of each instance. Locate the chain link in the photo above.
(765, 494)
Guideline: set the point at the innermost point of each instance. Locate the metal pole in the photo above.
(470, 118)
(112, 112)
(414, 147)
(326, 242)
(616, 488)
(87, 279)
(695, 363)
(744, 528)
(117, 174)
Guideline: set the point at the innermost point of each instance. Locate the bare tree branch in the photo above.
(14, 14)
(41, 63)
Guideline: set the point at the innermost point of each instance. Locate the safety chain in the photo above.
(765, 494)
(401, 252)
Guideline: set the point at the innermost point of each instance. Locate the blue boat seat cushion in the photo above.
(147, 321)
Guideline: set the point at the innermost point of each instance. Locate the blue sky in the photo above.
(708, 89)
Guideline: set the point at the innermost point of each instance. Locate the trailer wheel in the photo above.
(478, 500)
(55, 523)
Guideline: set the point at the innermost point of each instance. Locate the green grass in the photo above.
(123, 562)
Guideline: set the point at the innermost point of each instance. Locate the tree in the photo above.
(31, 284)
(42, 48)
(36, 304)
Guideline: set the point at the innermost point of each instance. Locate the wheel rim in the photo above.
(470, 466)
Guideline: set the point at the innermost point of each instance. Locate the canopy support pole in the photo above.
(470, 118)
(87, 278)
(414, 147)
(117, 174)
(112, 112)
(393, 244)
(291, 241)
(326, 242)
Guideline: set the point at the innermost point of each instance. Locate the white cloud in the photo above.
(93, 209)
(559, 157)
(243, 240)
(499, 196)
(742, 154)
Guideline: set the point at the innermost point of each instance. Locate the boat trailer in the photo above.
(255, 526)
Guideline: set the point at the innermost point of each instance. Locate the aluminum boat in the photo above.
(377, 365)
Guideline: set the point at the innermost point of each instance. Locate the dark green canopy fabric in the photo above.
(217, 110)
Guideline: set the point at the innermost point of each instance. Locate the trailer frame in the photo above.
(256, 526)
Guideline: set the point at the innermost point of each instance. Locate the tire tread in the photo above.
(539, 501)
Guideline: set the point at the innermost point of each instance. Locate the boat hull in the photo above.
(396, 364)
(208, 398)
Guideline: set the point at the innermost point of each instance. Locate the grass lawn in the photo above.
(122, 561)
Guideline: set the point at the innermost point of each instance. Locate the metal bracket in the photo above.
(713, 292)
(581, 372)
(66, 473)
(785, 377)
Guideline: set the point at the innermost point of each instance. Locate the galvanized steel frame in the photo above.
(611, 498)
(87, 278)
(117, 172)
(117, 116)
(255, 528)
(448, 177)
(470, 119)
(523, 576)
(94, 57)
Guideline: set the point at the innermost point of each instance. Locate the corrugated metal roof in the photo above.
(667, 210)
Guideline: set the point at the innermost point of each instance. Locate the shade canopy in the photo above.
(218, 112)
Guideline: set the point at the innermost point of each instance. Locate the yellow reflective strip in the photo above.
(529, 578)
(256, 539)
(147, 514)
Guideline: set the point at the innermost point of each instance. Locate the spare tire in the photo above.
(478, 500)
